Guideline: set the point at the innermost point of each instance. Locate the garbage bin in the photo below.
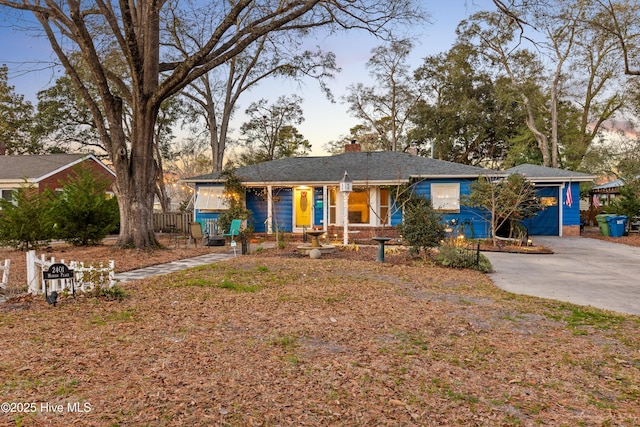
(602, 224)
(617, 225)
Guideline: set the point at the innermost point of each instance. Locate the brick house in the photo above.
(46, 171)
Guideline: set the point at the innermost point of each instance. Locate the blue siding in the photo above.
(571, 215)
(396, 214)
(283, 208)
(472, 223)
(256, 200)
(547, 222)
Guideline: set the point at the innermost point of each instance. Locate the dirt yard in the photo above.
(277, 339)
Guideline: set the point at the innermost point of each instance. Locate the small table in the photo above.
(381, 241)
(315, 243)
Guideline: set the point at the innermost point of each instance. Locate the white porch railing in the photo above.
(85, 277)
(4, 267)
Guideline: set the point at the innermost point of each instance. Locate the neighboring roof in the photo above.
(378, 166)
(37, 167)
(609, 185)
(542, 173)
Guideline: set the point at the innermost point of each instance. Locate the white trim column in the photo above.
(325, 207)
(269, 209)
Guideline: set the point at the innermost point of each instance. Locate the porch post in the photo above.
(346, 185)
(269, 209)
(325, 208)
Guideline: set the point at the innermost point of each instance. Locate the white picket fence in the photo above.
(4, 267)
(86, 277)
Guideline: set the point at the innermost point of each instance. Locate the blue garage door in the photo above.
(547, 221)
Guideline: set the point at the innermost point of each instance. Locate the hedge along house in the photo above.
(47, 171)
(300, 193)
(559, 192)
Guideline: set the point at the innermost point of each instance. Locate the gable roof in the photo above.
(38, 167)
(542, 173)
(378, 166)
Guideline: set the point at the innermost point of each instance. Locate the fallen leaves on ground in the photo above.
(279, 339)
(632, 239)
(174, 248)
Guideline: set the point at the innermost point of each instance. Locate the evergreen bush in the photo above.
(422, 227)
(23, 220)
(82, 214)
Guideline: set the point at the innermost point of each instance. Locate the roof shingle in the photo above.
(378, 166)
(34, 167)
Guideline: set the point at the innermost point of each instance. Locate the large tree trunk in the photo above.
(136, 179)
(135, 182)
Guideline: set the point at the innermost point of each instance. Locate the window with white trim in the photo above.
(211, 198)
(7, 195)
(367, 206)
(446, 197)
(383, 206)
(333, 205)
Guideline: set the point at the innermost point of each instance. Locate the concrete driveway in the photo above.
(581, 271)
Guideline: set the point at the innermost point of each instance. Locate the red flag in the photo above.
(568, 199)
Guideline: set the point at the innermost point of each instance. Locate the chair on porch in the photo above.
(195, 233)
(234, 229)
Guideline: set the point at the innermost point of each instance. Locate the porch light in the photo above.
(346, 183)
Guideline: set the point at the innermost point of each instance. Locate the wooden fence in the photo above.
(172, 222)
(85, 277)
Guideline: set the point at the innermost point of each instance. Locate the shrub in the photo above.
(456, 257)
(114, 293)
(23, 222)
(81, 214)
(235, 192)
(422, 227)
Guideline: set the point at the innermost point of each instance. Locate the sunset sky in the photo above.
(29, 60)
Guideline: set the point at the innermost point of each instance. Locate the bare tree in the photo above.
(271, 133)
(576, 37)
(385, 107)
(620, 22)
(215, 95)
(119, 44)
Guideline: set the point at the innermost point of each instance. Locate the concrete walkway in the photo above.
(582, 271)
(183, 264)
(156, 270)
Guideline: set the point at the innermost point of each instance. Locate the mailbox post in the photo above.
(57, 271)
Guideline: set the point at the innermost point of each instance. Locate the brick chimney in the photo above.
(3, 148)
(352, 147)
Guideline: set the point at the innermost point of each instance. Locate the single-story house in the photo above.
(45, 171)
(300, 193)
